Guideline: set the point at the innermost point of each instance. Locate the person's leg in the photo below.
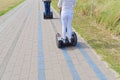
(64, 25)
(69, 25)
(48, 8)
(45, 6)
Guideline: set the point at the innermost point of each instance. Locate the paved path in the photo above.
(28, 49)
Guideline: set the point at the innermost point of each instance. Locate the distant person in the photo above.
(67, 10)
(47, 6)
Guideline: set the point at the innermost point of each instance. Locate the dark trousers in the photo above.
(47, 7)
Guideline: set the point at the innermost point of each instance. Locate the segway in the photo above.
(49, 14)
(60, 42)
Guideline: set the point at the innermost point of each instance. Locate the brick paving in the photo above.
(19, 46)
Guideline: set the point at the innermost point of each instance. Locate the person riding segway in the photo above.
(66, 11)
(47, 14)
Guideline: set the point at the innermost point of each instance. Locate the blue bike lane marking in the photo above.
(71, 65)
(94, 67)
(41, 66)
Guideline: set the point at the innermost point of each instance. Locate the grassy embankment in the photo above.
(101, 30)
(7, 5)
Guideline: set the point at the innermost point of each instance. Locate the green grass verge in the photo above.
(10, 7)
(94, 32)
(109, 16)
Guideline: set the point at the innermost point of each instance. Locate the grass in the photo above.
(98, 30)
(7, 5)
(109, 16)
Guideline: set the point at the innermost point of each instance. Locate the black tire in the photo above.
(51, 15)
(44, 15)
(58, 42)
(74, 39)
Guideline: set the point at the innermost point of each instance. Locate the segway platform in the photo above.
(50, 16)
(61, 44)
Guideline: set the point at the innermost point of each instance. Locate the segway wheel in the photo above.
(58, 41)
(51, 15)
(59, 44)
(44, 15)
(74, 39)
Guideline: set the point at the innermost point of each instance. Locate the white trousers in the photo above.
(66, 19)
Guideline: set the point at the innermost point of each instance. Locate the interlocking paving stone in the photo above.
(19, 58)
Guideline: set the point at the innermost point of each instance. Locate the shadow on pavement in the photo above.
(79, 45)
(56, 18)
